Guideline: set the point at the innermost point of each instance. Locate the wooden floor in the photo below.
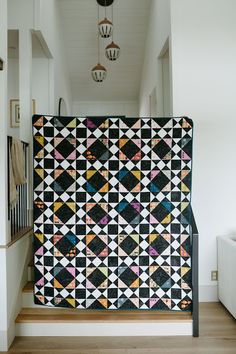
(217, 335)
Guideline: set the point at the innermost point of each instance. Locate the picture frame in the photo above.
(15, 112)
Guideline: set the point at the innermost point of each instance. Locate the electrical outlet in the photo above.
(214, 275)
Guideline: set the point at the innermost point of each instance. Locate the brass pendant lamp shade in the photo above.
(99, 73)
(105, 28)
(105, 2)
(112, 51)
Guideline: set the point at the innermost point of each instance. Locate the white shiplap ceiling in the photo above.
(79, 21)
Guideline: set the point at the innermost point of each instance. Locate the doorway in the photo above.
(164, 82)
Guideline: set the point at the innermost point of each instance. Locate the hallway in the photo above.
(217, 335)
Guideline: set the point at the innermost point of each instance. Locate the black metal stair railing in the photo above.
(18, 215)
(195, 281)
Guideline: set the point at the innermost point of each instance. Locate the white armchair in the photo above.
(227, 272)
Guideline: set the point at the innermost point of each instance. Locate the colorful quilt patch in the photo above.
(112, 212)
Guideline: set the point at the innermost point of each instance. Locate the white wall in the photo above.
(3, 302)
(44, 16)
(12, 91)
(203, 55)
(157, 36)
(17, 260)
(204, 82)
(50, 24)
(23, 15)
(3, 122)
(40, 85)
(20, 13)
(166, 94)
(3, 177)
(85, 108)
(13, 275)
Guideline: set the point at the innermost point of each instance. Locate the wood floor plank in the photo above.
(217, 336)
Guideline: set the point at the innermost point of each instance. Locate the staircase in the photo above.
(36, 320)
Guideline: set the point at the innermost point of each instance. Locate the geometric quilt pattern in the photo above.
(111, 212)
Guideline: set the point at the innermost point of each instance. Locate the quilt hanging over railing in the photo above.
(111, 212)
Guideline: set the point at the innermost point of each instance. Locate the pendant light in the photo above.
(99, 72)
(105, 26)
(112, 50)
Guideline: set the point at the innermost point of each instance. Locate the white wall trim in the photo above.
(43, 43)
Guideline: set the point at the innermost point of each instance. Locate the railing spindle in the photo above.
(18, 213)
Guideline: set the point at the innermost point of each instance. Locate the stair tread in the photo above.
(49, 314)
(35, 315)
(28, 288)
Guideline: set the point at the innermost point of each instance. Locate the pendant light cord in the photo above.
(112, 20)
(98, 38)
(105, 8)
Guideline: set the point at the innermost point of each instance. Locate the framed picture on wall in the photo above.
(15, 112)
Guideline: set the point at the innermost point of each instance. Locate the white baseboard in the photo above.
(107, 329)
(208, 293)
